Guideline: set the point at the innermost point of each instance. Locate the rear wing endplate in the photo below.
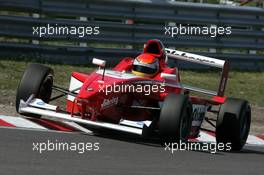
(199, 59)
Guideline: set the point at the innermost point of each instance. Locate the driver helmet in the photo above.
(146, 65)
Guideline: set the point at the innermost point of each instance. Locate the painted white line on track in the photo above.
(25, 124)
(204, 137)
(38, 130)
(254, 140)
(21, 122)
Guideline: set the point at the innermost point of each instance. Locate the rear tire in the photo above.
(233, 123)
(175, 118)
(38, 80)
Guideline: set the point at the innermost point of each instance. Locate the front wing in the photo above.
(38, 107)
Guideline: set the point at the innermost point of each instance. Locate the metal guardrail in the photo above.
(126, 25)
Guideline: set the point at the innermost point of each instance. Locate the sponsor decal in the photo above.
(198, 114)
(40, 103)
(109, 102)
(203, 60)
(140, 123)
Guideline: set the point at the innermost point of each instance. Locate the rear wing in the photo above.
(199, 59)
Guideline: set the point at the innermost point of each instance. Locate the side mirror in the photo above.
(168, 76)
(99, 62)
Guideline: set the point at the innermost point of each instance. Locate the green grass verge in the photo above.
(12, 71)
(247, 85)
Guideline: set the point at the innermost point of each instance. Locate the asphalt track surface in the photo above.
(118, 154)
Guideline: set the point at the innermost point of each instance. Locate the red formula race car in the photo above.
(139, 95)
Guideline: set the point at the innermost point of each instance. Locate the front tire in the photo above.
(175, 118)
(233, 123)
(38, 80)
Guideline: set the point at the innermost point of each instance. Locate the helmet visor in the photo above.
(144, 69)
(151, 68)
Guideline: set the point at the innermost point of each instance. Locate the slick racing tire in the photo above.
(38, 80)
(233, 123)
(175, 118)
